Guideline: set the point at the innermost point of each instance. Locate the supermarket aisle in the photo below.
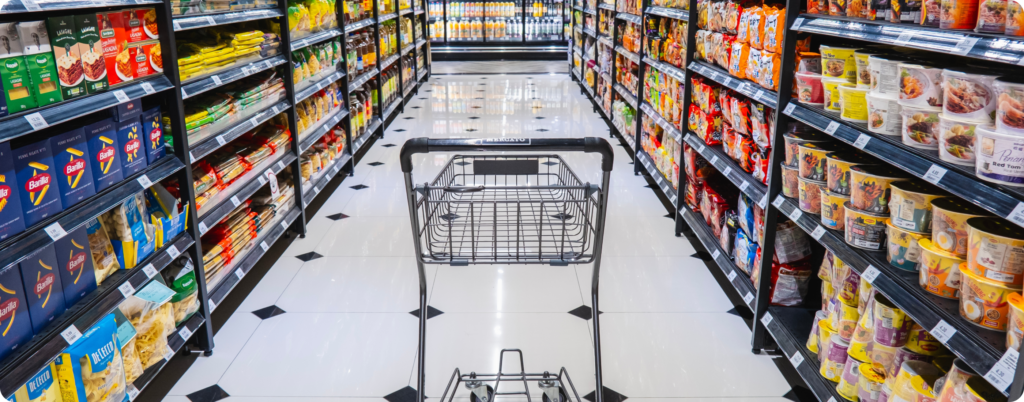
(346, 290)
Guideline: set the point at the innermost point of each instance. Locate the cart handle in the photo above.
(424, 145)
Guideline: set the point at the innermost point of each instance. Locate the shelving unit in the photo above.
(172, 94)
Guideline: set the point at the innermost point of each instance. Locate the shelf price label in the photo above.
(748, 297)
(254, 122)
(716, 254)
(731, 276)
(71, 334)
(870, 274)
(55, 231)
(1001, 374)
(37, 121)
(173, 251)
(203, 228)
(168, 353)
(766, 319)
(213, 305)
(216, 80)
(149, 270)
(744, 185)
(796, 214)
(220, 140)
(964, 46)
(121, 96)
(239, 274)
(185, 333)
(904, 38)
(714, 159)
(797, 24)
(1017, 215)
(862, 141)
(145, 182)
(132, 392)
(934, 174)
(778, 201)
(264, 246)
(284, 225)
(943, 331)
(235, 201)
(818, 232)
(728, 169)
(126, 289)
(764, 201)
(832, 127)
(798, 358)
(701, 149)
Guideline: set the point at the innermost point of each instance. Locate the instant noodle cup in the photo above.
(992, 16)
(810, 195)
(839, 164)
(865, 292)
(911, 205)
(825, 332)
(790, 182)
(812, 339)
(901, 384)
(885, 75)
(864, 229)
(1015, 325)
(920, 128)
(869, 382)
(939, 271)
(892, 326)
(808, 88)
(863, 68)
(980, 390)
(857, 8)
(853, 104)
(832, 211)
(968, 95)
(995, 250)
(827, 292)
(862, 337)
(954, 389)
(830, 92)
(985, 302)
(958, 14)
(957, 140)
(795, 137)
(835, 359)
(846, 281)
(813, 162)
(870, 187)
(826, 266)
(904, 355)
(848, 317)
(920, 85)
(884, 114)
(838, 62)
(924, 388)
(903, 252)
(837, 7)
(1009, 105)
(949, 224)
(999, 157)
(809, 63)
(847, 387)
(922, 342)
(882, 355)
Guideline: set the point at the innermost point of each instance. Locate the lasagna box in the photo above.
(74, 176)
(45, 295)
(36, 174)
(147, 16)
(66, 49)
(11, 220)
(153, 129)
(13, 311)
(114, 38)
(141, 54)
(42, 68)
(90, 47)
(75, 263)
(133, 153)
(103, 153)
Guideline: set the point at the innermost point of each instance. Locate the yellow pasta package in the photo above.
(90, 370)
(150, 313)
(42, 387)
(126, 337)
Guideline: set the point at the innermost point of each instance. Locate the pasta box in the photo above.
(77, 274)
(42, 69)
(41, 387)
(101, 138)
(43, 290)
(36, 174)
(153, 129)
(133, 153)
(17, 85)
(66, 50)
(91, 48)
(11, 220)
(115, 38)
(13, 311)
(127, 111)
(142, 63)
(74, 176)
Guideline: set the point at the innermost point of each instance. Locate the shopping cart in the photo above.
(507, 209)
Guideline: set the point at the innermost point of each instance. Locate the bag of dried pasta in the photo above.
(151, 314)
(104, 259)
(181, 277)
(90, 370)
(126, 338)
(43, 387)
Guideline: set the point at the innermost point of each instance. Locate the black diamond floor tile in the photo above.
(337, 217)
(310, 256)
(375, 163)
(415, 107)
(401, 130)
(473, 118)
(390, 145)
(408, 118)
(267, 312)
(471, 129)
(549, 163)
(700, 255)
(407, 394)
(424, 98)
(212, 393)
(462, 163)
(475, 107)
(583, 312)
(477, 98)
(359, 187)
(539, 118)
(427, 90)
(542, 130)
(609, 396)
(431, 312)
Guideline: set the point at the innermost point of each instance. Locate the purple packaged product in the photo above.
(127, 111)
(74, 177)
(36, 174)
(75, 264)
(133, 153)
(42, 287)
(3, 101)
(11, 220)
(154, 134)
(103, 153)
(14, 319)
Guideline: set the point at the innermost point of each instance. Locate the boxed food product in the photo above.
(11, 220)
(126, 333)
(127, 111)
(166, 212)
(151, 314)
(139, 52)
(67, 51)
(147, 16)
(90, 47)
(91, 370)
(18, 93)
(42, 72)
(74, 176)
(115, 37)
(154, 56)
(104, 259)
(36, 173)
(41, 387)
(77, 275)
(43, 288)
(154, 134)
(103, 146)
(34, 37)
(133, 153)
(13, 311)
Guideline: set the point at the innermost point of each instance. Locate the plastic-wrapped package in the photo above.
(774, 27)
(753, 71)
(745, 251)
(729, 229)
(181, 277)
(153, 319)
(104, 259)
(738, 59)
(755, 27)
(696, 167)
(745, 213)
(693, 194)
(91, 369)
(745, 149)
(740, 112)
(761, 159)
(789, 284)
(791, 243)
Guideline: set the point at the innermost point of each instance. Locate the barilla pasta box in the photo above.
(91, 49)
(12, 221)
(96, 355)
(74, 176)
(133, 153)
(36, 178)
(42, 387)
(41, 277)
(154, 133)
(127, 111)
(14, 317)
(70, 72)
(104, 156)
(76, 269)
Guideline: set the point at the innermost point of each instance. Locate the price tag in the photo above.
(798, 358)
(326, 127)
(748, 298)
(716, 254)
(126, 289)
(862, 141)
(272, 179)
(714, 159)
(934, 174)
(203, 228)
(870, 274)
(168, 353)
(904, 38)
(145, 182)
(148, 88)
(797, 24)
(71, 334)
(246, 71)
(767, 319)
(280, 165)
(831, 399)
(728, 80)
(177, 25)
(316, 190)
(185, 333)
(239, 274)
(235, 201)
(216, 80)
(264, 246)
(818, 232)
(284, 224)
(37, 121)
(191, 158)
(778, 201)
(221, 140)
(262, 180)
(763, 202)
(121, 96)
(727, 171)
(267, 63)
(210, 21)
(832, 127)
(1001, 374)
(55, 231)
(796, 214)
(132, 392)
(964, 46)
(744, 185)
(732, 275)
(943, 331)
(149, 270)
(319, 86)
(1017, 215)
(213, 306)
(254, 122)
(173, 251)
(701, 149)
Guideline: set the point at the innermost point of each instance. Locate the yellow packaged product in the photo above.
(150, 313)
(126, 334)
(104, 258)
(40, 388)
(91, 370)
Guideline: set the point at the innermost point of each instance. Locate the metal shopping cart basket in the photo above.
(507, 209)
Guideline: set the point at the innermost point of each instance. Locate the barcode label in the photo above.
(132, 392)
(275, 109)
(1017, 215)
(798, 358)
(37, 121)
(766, 319)
(796, 26)
(701, 149)
(748, 298)
(727, 171)
(149, 270)
(216, 80)
(239, 274)
(818, 232)
(145, 182)
(943, 331)
(71, 334)
(744, 185)
(280, 165)
(221, 140)
(235, 201)
(832, 127)
(964, 46)
(203, 228)
(716, 254)
(173, 251)
(1001, 374)
(778, 201)
(796, 214)
(284, 224)
(862, 141)
(55, 231)
(264, 246)
(904, 38)
(121, 96)
(934, 174)
(148, 88)
(126, 289)
(185, 333)
(714, 159)
(168, 353)
(732, 275)
(763, 202)
(728, 80)
(254, 122)
(870, 274)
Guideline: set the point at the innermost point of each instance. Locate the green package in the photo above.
(17, 83)
(70, 72)
(43, 73)
(89, 47)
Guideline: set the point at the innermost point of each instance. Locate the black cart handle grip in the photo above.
(425, 145)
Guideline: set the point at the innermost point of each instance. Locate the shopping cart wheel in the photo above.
(473, 397)
(560, 397)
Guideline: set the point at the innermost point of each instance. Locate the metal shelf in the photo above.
(737, 278)
(673, 13)
(749, 88)
(24, 6)
(197, 86)
(673, 71)
(420, 42)
(747, 184)
(409, 48)
(391, 108)
(386, 17)
(328, 175)
(628, 97)
(606, 6)
(629, 55)
(419, 11)
(663, 184)
(590, 11)
(359, 25)
(408, 87)
(315, 38)
(790, 326)
(649, 111)
(193, 21)
(213, 143)
(319, 129)
(389, 61)
(420, 74)
(240, 191)
(590, 32)
(360, 80)
(629, 17)
(319, 85)
(404, 11)
(369, 133)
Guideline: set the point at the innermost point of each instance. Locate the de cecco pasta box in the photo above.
(36, 177)
(11, 220)
(43, 289)
(15, 325)
(104, 154)
(74, 176)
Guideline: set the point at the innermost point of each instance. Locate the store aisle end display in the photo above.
(870, 148)
(136, 194)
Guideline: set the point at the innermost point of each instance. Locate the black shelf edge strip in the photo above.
(321, 182)
(629, 55)
(408, 48)
(738, 279)
(359, 25)
(420, 74)
(419, 11)
(628, 17)
(386, 17)
(746, 87)
(788, 325)
(186, 22)
(666, 68)
(317, 86)
(19, 124)
(360, 80)
(661, 121)
(207, 146)
(577, 50)
(590, 11)
(389, 61)
(369, 133)
(590, 32)
(320, 128)
(24, 6)
(420, 42)
(17, 368)
(954, 179)
(901, 287)
(201, 85)
(628, 97)
(241, 191)
(663, 184)
(673, 13)
(175, 342)
(237, 272)
(391, 108)
(408, 88)
(605, 40)
(580, 8)
(750, 186)
(315, 38)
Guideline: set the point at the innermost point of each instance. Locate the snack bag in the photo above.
(770, 65)
(774, 27)
(743, 27)
(126, 338)
(756, 27)
(150, 313)
(731, 20)
(738, 59)
(753, 71)
(166, 213)
(90, 370)
(182, 279)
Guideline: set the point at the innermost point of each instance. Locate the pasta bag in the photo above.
(130, 233)
(104, 259)
(126, 338)
(42, 387)
(149, 311)
(91, 370)
(182, 279)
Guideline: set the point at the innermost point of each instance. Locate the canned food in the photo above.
(813, 162)
(955, 387)
(869, 382)
(920, 86)
(870, 187)
(790, 182)
(956, 140)
(984, 301)
(884, 114)
(1000, 156)
(911, 205)
(853, 104)
(847, 387)
(1015, 326)
(920, 126)
(835, 360)
(864, 229)
(830, 93)
(903, 251)
(949, 224)
(1010, 106)
(968, 95)
(809, 91)
(892, 326)
(832, 215)
(939, 271)
(810, 195)
(995, 250)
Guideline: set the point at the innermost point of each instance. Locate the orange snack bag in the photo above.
(743, 27)
(774, 26)
(770, 65)
(756, 27)
(753, 72)
(738, 59)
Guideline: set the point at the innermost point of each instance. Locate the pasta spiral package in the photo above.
(91, 369)
(153, 319)
(42, 387)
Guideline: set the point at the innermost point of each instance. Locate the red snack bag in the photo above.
(731, 20)
(728, 139)
(745, 149)
(761, 160)
(693, 193)
(740, 109)
(697, 168)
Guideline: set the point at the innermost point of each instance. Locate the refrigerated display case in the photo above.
(504, 22)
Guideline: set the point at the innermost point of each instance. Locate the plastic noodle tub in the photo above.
(920, 128)
(920, 86)
(884, 114)
(995, 250)
(809, 89)
(830, 92)
(967, 95)
(939, 271)
(984, 302)
(903, 251)
(999, 157)
(810, 195)
(853, 103)
(911, 205)
(832, 210)
(957, 140)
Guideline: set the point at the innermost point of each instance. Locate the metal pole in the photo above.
(289, 84)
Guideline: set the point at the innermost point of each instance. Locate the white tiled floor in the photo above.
(346, 331)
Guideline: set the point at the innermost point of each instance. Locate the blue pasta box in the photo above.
(13, 311)
(101, 137)
(127, 111)
(36, 174)
(153, 128)
(11, 220)
(76, 268)
(74, 176)
(133, 153)
(43, 289)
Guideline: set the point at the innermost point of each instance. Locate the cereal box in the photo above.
(74, 176)
(40, 388)
(96, 356)
(114, 39)
(13, 311)
(91, 49)
(11, 220)
(154, 134)
(66, 50)
(133, 153)
(43, 290)
(36, 174)
(76, 268)
(104, 157)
